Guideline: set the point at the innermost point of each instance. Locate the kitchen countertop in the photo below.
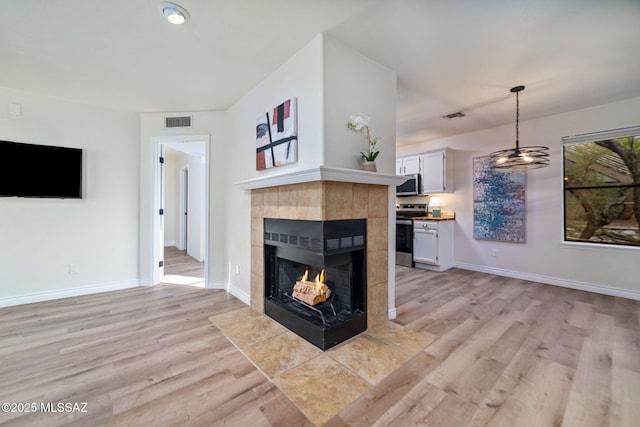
(430, 218)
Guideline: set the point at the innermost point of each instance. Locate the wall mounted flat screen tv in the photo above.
(29, 170)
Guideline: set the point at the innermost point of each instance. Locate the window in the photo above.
(602, 187)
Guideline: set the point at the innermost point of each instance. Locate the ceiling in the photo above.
(456, 55)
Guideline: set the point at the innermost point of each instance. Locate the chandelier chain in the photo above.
(517, 120)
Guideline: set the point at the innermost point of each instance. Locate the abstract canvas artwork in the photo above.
(277, 136)
(498, 203)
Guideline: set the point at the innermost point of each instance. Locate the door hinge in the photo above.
(161, 159)
(161, 264)
(161, 212)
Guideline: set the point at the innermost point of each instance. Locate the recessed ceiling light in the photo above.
(173, 13)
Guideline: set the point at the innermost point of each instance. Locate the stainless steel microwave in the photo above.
(411, 186)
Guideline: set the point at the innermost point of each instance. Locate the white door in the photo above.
(425, 244)
(183, 211)
(160, 212)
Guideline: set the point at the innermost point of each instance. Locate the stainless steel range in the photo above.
(404, 231)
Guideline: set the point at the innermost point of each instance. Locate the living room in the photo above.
(109, 233)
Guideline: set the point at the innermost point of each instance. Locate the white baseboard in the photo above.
(66, 293)
(564, 283)
(171, 243)
(218, 285)
(392, 313)
(241, 295)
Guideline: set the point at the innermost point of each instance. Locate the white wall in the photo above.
(323, 139)
(39, 238)
(300, 77)
(544, 257)
(213, 124)
(232, 159)
(195, 200)
(354, 84)
(171, 200)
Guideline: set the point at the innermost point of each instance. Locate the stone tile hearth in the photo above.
(320, 384)
(321, 387)
(369, 358)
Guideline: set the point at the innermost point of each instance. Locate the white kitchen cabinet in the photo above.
(407, 165)
(425, 242)
(433, 244)
(436, 168)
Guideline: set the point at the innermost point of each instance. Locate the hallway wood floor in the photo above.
(182, 269)
(506, 353)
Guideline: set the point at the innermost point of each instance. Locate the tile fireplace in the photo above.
(332, 307)
(324, 196)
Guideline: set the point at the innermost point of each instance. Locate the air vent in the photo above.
(177, 122)
(333, 244)
(316, 245)
(346, 242)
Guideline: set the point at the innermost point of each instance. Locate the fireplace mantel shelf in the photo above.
(321, 173)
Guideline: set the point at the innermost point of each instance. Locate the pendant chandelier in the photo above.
(519, 158)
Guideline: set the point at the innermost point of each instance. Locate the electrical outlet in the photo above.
(237, 269)
(494, 253)
(74, 268)
(15, 109)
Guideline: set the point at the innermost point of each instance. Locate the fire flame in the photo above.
(319, 280)
(311, 292)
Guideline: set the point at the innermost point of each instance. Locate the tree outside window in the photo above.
(602, 191)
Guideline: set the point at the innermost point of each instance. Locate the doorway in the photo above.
(182, 229)
(184, 207)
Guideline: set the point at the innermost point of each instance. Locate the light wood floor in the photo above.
(177, 262)
(506, 353)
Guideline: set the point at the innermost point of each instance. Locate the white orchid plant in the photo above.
(358, 123)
